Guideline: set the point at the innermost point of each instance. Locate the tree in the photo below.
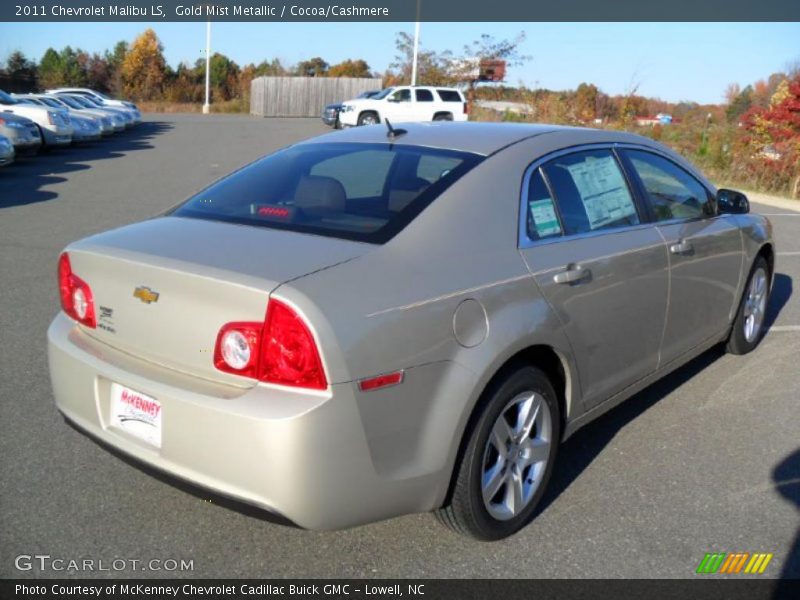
(740, 104)
(51, 73)
(98, 73)
(72, 67)
(19, 67)
(315, 67)
(350, 68)
(144, 70)
(224, 76)
(273, 68)
(586, 102)
(114, 60)
(432, 68)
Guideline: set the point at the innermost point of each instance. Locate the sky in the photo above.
(671, 61)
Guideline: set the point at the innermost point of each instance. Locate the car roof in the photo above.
(476, 138)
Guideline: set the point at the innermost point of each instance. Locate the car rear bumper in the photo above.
(305, 456)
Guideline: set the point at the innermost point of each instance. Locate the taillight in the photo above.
(236, 350)
(466, 108)
(76, 295)
(282, 350)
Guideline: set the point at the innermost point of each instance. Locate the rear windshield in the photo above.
(363, 192)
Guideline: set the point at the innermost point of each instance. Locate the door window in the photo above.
(424, 96)
(401, 96)
(591, 191)
(542, 221)
(671, 191)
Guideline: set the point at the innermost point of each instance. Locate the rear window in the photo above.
(449, 96)
(363, 192)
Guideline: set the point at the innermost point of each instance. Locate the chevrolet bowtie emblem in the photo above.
(145, 294)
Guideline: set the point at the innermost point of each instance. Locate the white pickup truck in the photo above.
(406, 104)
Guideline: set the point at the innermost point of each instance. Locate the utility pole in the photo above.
(416, 48)
(207, 105)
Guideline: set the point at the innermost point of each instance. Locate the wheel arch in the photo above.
(369, 111)
(542, 356)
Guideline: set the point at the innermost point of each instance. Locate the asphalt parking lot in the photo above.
(705, 460)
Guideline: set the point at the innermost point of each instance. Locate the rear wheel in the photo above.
(368, 118)
(508, 459)
(748, 327)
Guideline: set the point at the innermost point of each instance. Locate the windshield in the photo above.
(382, 94)
(82, 101)
(51, 102)
(70, 102)
(6, 99)
(92, 101)
(363, 192)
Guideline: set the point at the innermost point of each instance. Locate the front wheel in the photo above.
(368, 118)
(508, 459)
(748, 327)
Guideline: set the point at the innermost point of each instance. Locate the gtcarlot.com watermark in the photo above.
(46, 562)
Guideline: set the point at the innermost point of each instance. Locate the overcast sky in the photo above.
(673, 61)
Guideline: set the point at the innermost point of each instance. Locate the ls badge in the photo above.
(145, 294)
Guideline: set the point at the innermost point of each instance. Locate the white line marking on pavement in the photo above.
(785, 328)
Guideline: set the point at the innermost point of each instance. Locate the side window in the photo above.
(401, 96)
(542, 220)
(362, 174)
(424, 96)
(672, 192)
(449, 96)
(591, 191)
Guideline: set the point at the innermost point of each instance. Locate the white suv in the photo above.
(406, 104)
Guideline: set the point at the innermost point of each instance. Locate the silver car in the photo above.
(6, 151)
(383, 321)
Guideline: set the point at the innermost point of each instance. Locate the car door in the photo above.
(424, 105)
(705, 251)
(602, 268)
(398, 106)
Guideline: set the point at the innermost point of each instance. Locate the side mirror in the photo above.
(732, 202)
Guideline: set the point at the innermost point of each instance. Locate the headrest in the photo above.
(314, 192)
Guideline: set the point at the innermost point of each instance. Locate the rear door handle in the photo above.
(682, 247)
(572, 274)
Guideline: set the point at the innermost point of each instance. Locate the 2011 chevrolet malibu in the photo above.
(382, 321)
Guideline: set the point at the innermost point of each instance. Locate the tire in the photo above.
(492, 510)
(368, 118)
(337, 124)
(44, 147)
(748, 326)
(443, 117)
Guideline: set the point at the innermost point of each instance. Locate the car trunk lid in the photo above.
(163, 288)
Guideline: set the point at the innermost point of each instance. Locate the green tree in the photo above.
(740, 104)
(51, 72)
(19, 67)
(114, 60)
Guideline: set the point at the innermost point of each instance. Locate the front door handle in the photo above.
(572, 274)
(682, 247)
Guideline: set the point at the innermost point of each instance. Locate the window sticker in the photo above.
(603, 191)
(544, 217)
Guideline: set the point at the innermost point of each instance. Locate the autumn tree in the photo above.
(432, 68)
(314, 67)
(350, 68)
(144, 69)
(586, 102)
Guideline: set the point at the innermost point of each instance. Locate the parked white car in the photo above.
(102, 99)
(406, 104)
(54, 125)
(116, 121)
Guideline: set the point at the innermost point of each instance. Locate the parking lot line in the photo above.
(788, 253)
(785, 328)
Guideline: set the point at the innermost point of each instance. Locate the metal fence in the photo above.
(303, 96)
